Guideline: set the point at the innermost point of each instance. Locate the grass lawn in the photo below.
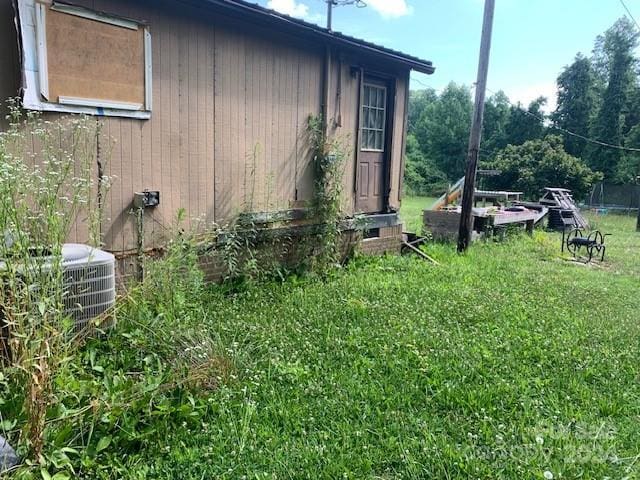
(508, 362)
(411, 212)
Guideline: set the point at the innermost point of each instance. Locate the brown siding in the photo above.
(229, 122)
(398, 142)
(343, 108)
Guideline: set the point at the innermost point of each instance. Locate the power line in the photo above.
(577, 135)
(582, 137)
(555, 127)
(630, 14)
(573, 134)
(420, 82)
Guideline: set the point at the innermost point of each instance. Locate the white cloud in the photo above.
(525, 94)
(295, 8)
(390, 8)
(289, 7)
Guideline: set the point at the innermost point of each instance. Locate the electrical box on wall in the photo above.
(146, 199)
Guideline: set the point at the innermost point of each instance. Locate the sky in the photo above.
(532, 39)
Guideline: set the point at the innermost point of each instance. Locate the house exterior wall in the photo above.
(228, 130)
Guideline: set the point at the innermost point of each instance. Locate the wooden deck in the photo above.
(443, 224)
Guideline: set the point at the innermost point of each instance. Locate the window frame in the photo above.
(35, 65)
(363, 128)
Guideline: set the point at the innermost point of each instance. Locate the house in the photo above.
(208, 102)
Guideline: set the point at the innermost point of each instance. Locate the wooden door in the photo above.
(372, 157)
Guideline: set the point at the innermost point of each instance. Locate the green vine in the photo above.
(258, 244)
(328, 157)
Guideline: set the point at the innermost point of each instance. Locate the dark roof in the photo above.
(246, 8)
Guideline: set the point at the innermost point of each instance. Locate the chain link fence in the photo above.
(614, 197)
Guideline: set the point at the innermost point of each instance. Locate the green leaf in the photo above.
(103, 443)
(70, 450)
(6, 425)
(45, 474)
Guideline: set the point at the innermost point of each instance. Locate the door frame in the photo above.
(389, 81)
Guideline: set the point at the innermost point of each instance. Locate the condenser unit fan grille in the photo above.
(89, 281)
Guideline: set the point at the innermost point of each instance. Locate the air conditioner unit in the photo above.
(89, 282)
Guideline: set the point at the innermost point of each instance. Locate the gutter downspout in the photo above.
(326, 84)
(405, 126)
(392, 100)
(356, 173)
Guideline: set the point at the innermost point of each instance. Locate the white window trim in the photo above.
(90, 102)
(384, 119)
(41, 39)
(36, 79)
(97, 16)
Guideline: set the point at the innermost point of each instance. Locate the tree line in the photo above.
(598, 99)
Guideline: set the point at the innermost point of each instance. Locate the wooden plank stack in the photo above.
(563, 211)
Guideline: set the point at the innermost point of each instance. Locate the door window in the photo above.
(374, 116)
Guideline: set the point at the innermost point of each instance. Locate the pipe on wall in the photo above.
(326, 87)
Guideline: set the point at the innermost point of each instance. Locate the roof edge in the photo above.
(244, 7)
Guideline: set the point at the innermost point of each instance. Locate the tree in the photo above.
(576, 103)
(632, 110)
(422, 177)
(526, 124)
(497, 112)
(541, 163)
(628, 170)
(443, 130)
(419, 100)
(614, 57)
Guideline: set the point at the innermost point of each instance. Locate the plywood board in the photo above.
(94, 60)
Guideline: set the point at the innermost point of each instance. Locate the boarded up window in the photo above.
(85, 61)
(94, 60)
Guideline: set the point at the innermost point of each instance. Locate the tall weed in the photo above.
(46, 180)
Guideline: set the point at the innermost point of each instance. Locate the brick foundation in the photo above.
(288, 251)
(387, 241)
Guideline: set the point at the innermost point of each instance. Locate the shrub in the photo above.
(537, 164)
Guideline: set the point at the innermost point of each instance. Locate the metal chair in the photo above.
(593, 243)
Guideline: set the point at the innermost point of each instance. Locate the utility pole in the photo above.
(466, 219)
(335, 3)
(638, 221)
(330, 5)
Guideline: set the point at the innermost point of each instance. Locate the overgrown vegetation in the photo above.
(68, 405)
(326, 209)
(265, 244)
(46, 181)
(98, 400)
(507, 362)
